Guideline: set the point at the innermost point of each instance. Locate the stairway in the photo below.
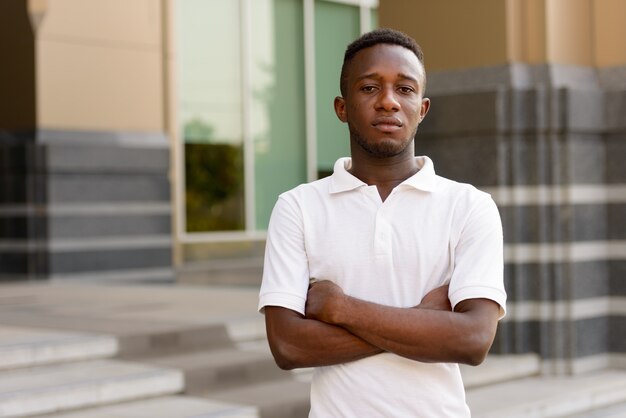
(46, 371)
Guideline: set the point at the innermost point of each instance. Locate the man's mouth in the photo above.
(387, 124)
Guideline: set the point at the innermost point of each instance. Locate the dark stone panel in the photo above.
(615, 109)
(517, 338)
(108, 188)
(465, 113)
(534, 158)
(471, 160)
(103, 260)
(555, 223)
(615, 158)
(585, 158)
(616, 221)
(13, 189)
(21, 227)
(617, 277)
(589, 279)
(560, 339)
(106, 159)
(13, 227)
(108, 225)
(22, 189)
(131, 139)
(584, 110)
(20, 157)
(592, 336)
(588, 222)
(13, 263)
(617, 335)
(33, 263)
(526, 224)
(525, 110)
(556, 281)
(527, 159)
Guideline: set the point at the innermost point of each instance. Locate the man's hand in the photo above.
(323, 301)
(436, 299)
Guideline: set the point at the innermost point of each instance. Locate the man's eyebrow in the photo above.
(408, 77)
(400, 75)
(370, 75)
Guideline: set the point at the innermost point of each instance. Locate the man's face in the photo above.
(384, 103)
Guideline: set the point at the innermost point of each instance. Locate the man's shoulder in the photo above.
(313, 190)
(450, 186)
(463, 194)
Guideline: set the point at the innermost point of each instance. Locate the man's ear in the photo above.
(424, 108)
(340, 109)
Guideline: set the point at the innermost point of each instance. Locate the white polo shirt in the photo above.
(429, 231)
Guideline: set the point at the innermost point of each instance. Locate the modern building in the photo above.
(148, 139)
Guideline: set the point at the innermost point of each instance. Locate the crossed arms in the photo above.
(337, 328)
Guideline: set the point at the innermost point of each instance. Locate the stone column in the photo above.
(528, 103)
(84, 155)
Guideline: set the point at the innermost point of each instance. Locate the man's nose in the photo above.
(387, 100)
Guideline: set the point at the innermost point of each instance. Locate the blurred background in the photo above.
(143, 144)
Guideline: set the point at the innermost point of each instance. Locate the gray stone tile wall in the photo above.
(67, 188)
(557, 281)
(518, 127)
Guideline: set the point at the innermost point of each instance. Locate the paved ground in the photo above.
(132, 309)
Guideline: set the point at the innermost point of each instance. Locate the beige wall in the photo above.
(569, 32)
(609, 20)
(100, 65)
(526, 31)
(490, 32)
(452, 33)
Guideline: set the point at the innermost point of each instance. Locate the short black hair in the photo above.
(376, 37)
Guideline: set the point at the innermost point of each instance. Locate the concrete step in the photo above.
(164, 407)
(28, 347)
(59, 387)
(225, 368)
(286, 398)
(549, 397)
(613, 411)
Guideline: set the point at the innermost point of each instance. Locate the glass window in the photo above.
(336, 25)
(278, 101)
(374, 18)
(211, 72)
(210, 113)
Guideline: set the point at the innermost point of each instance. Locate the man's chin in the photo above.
(384, 148)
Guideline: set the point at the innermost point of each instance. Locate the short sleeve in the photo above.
(478, 256)
(285, 271)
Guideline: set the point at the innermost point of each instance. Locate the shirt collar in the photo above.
(425, 179)
(341, 180)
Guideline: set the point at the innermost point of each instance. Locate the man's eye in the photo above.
(406, 89)
(368, 88)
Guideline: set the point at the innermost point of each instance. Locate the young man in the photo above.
(383, 276)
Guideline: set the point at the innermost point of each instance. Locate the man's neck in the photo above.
(384, 173)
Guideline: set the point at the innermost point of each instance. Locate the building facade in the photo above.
(529, 104)
(149, 139)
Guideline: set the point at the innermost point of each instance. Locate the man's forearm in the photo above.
(299, 342)
(423, 334)
(427, 333)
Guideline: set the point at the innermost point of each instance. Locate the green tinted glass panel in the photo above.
(374, 18)
(278, 112)
(336, 25)
(209, 110)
